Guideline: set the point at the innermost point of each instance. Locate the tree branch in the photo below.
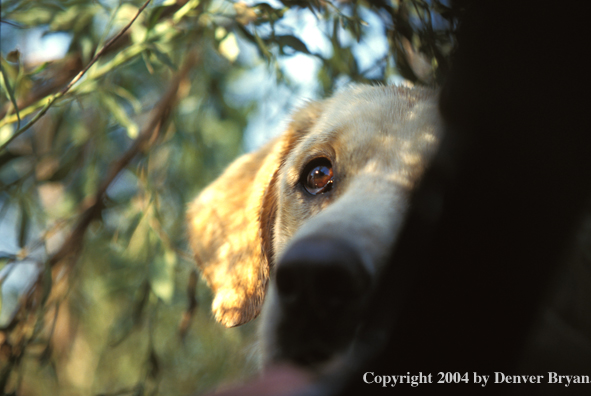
(55, 97)
(146, 139)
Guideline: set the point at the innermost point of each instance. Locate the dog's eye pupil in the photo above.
(318, 176)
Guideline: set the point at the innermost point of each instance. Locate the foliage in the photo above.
(101, 149)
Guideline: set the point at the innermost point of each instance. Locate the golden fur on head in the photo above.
(230, 226)
(378, 139)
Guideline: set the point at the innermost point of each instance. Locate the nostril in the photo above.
(340, 284)
(325, 275)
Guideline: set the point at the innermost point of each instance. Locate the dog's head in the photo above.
(316, 211)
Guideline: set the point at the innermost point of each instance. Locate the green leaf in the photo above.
(131, 319)
(13, 56)
(129, 97)
(40, 16)
(293, 42)
(74, 18)
(162, 275)
(121, 329)
(262, 46)
(6, 157)
(163, 58)
(119, 114)
(138, 248)
(5, 258)
(39, 68)
(184, 10)
(11, 95)
(147, 62)
(23, 225)
(155, 16)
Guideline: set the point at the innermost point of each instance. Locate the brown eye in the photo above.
(317, 176)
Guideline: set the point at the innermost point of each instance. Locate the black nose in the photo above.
(326, 276)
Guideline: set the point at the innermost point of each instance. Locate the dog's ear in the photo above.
(231, 225)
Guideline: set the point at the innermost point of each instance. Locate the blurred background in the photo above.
(103, 143)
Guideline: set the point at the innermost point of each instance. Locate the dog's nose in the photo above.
(324, 275)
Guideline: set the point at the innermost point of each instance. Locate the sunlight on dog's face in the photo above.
(344, 186)
(327, 200)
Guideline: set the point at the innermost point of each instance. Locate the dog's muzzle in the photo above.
(322, 286)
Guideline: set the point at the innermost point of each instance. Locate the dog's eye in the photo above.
(317, 176)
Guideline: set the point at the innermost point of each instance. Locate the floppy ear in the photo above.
(231, 225)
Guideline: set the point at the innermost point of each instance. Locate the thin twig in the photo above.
(11, 95)
(102, 51)
(67, 71)
(55, 97)
(73, 244)
(143, 141)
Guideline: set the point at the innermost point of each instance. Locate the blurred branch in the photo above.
(67, 68)
(191, 306)
(60, 71)
(26, 318)
(55, 97)
(146, 138)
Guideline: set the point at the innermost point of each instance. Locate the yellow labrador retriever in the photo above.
(300, 229)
